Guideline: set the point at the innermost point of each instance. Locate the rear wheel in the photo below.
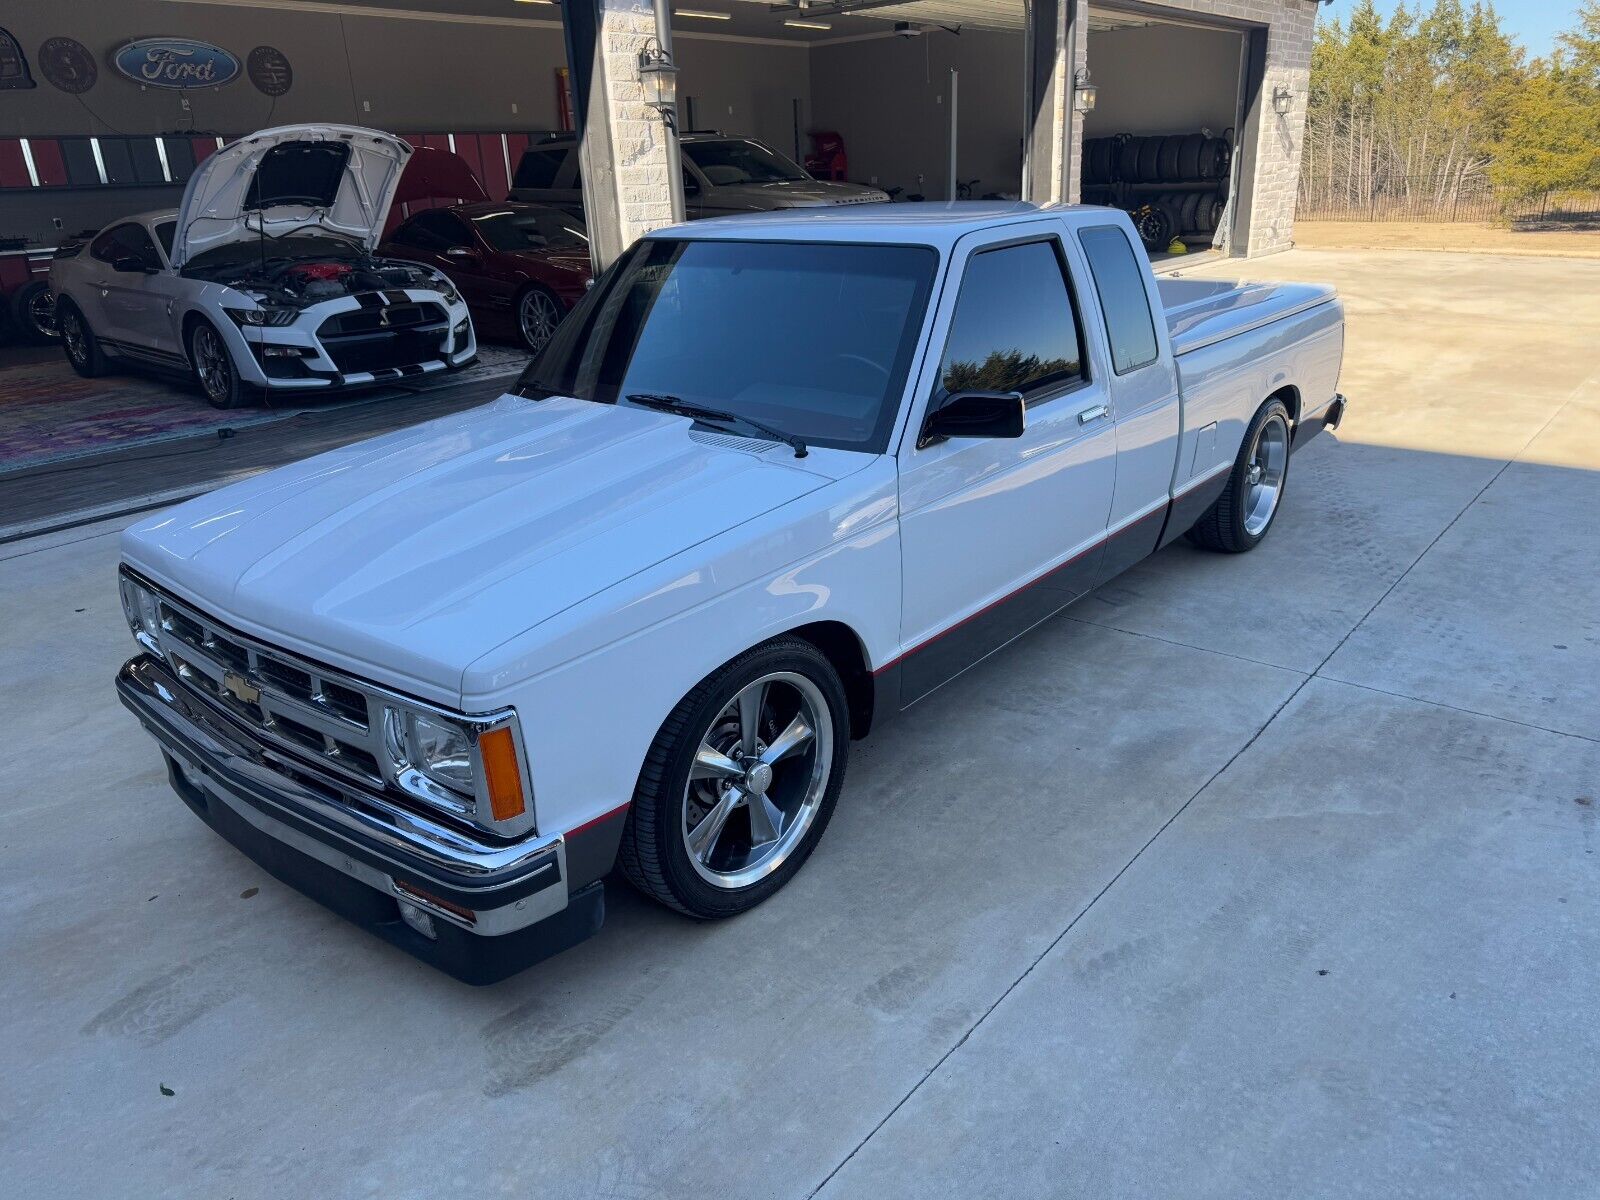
(34, 309)
(78, 341)
(213, 367)
(1242, 516)
(740, 783)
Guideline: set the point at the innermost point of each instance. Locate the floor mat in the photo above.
(49, 413)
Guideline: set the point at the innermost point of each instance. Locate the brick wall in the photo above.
(1290, 24)
(643, 195)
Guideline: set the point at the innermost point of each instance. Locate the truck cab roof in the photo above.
(924, 223)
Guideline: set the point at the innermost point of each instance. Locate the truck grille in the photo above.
(296, 705)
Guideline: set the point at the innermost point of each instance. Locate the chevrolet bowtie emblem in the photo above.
(240, 688)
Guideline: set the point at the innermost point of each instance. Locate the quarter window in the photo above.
(1119, 278)
(1015, 328)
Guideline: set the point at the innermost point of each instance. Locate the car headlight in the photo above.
(258, 317)
(447, 289)
(462, 764)
(143, 611)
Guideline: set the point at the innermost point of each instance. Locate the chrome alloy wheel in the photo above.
(759, 776)
(42, 313)
(72, 334)
(537, 318)
(211, 363)
(1269, 459)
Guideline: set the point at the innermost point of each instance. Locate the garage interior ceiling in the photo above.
(746, 18)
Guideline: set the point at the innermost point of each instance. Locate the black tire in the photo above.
(1167, 162)
(1150, 159)
(1128, 159)
(78, 341)
(213, 366)
(1214, 158)
(1225, 526)
(1105, 159)
(654, 856)
(1188, 219)
(533, 304)
(1189, 155)
(33, 310)
(1154, 227)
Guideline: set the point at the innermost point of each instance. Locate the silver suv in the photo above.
(721, 176)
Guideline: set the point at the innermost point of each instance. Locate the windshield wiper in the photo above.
(700, 412)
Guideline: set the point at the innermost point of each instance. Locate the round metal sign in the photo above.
(179, 63)
(67, 64)
(269, 69)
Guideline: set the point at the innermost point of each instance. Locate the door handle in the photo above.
(1093, 414)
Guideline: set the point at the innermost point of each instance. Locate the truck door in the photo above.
(1143, 386)
(998, 534)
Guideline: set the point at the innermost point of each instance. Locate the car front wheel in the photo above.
(740, 782)
(213, 367)
(78, 341)
(538, 314)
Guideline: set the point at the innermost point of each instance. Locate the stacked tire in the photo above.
(1166, 158)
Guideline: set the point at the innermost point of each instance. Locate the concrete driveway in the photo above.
(1262, 876)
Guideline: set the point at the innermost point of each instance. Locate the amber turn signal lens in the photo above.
(500, 771)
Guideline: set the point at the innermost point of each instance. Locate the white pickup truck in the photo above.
(774, 479)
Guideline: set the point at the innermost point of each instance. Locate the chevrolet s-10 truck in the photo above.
(774, 479)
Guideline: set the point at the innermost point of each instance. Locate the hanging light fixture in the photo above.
(659, 74)
(1084, 91)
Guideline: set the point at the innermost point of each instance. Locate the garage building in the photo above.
(934, 99)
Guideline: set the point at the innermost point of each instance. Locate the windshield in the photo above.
(812, 339)
(532, 229)
(740, 161)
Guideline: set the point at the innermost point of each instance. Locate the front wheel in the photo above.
(34, 310)
(78, 341)
(538, 314)
(213, 367)
(1243, 514)
(740, 782)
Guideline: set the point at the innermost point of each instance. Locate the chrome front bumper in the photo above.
(249, 792)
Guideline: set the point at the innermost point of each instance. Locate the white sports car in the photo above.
(264, 279)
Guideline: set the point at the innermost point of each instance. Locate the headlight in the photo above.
(139, 605)
(262, 316)
(447, 289)
(460, 764)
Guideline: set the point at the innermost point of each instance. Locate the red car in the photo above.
(520, 267)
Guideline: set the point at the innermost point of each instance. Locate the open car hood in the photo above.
(337, 178)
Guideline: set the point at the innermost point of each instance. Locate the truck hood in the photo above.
(337, 178)
(406, 558)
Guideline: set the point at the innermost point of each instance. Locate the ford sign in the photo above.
(167, 62)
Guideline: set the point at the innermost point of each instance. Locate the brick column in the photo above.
(623, 156)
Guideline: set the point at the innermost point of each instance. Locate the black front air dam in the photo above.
(465, 956)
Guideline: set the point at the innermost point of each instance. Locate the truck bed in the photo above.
(1201, 312)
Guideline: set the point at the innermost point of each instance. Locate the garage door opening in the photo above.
(1162, 140)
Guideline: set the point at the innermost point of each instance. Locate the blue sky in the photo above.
(1535, 23)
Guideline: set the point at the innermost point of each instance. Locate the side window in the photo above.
(125, 241)
(434, 229)
(538, 168)
(164, 233)
(1015, 328)
(1119, 278)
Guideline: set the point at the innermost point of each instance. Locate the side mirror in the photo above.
(975, 415)
(132, 264)
(462, 254)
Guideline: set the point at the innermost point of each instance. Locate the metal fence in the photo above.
(1470, 200)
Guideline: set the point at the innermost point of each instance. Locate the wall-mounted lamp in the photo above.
(1084, 92)
(659, 75)
(1281, 99)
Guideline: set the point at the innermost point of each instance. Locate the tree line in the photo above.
(1427, 106)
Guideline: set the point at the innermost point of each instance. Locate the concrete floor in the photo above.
(1266, 876)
